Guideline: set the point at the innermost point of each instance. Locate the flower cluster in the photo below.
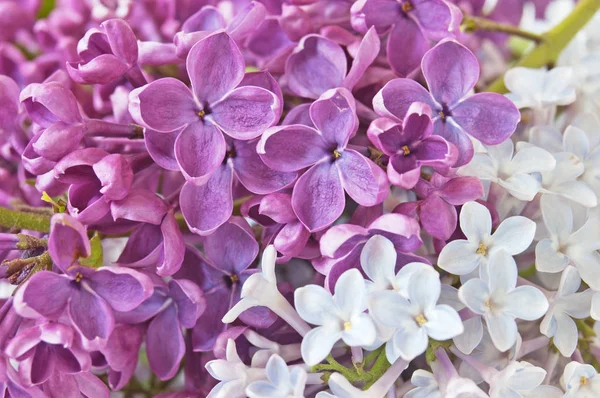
(299, 198)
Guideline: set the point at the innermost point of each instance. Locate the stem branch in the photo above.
(472, 23)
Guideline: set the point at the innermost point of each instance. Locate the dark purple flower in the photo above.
(410, 145)
(333, 168)
(342, 244)
(67, 241)
(88, 296)
(438, 197)
(121, 353)
(214, 105)
(45, 349)
(411, 25)
(489, 117)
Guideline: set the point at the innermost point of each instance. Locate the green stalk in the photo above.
(11, 219)
(554, 41)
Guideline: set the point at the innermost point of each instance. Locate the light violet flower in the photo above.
(512, 171)
(318, 197)
(580, 381)
(283, 382)
(338, 316)
(566, 303)
(489, 117)
(516, 380)
(417, 317)
(564, 246)
(461, 257)
(498, 299)
(540, 88)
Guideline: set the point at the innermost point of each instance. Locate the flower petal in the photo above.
(317, 344)
(199, 150)
(165, 344)
(362, 179)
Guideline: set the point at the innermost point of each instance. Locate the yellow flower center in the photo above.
(583, 380)
(201, 113)
(407, 6)
(336, 154)
(406, 150)
(442, 115)
(78, 277)
(234, 278)
(347, 326)
(482, 249)
(421, 320)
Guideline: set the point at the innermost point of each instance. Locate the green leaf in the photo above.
(45, 9)
(97, 257)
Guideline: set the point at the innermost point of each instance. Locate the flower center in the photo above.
(78, 277)
(232, 153)
(421, 320)
(336, 154)
(347, 326)
(482, 249)
(442, 115)
(407, 6)
(234, 278)
(201, 113)
(406, 150)
(583, 380)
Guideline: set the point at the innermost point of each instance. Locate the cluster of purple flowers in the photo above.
(186, 186)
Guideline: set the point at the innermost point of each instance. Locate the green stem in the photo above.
(585, 329)
(334, 366)
(21, 220)
(554, 41)
(379, 367)
(472, 23)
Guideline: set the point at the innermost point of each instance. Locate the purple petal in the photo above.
(86, 204)
(318, 198)
(299, 114)
(264, 80)
(254, 174)
(404, 171)
(246, 21)
(207, 206)
(115, 175)
(381, 14)
(292, 148)
(246, 112)
(339, 240)
(209, 325)
(461, 190)
(432, 149)
(165, 344)
(91, 315)
(334, 115)
(208, 18)
(406, 35)
(9, 101)
(123, 288)
(67, 241)
(367, 52)
(141, 206)
(34, 295)
(91, 386)
(49, 103)
(316, 65)
(278, 207)
(173, 246)
(143, 247)
(232, 247)
(454, 134)
(292, 239)
(123, 345)
(58, 140)
(71, 169)
(396, 97)
(449, 82)
(363, 180)
(438, 18)
(146, 310)
(402, 230)
(161, 147)
(164, 105)
(189, 300)
(103, 69)
(122, 40)
(215, 66)
(438, 217)
(489, 117)
(199, 149)
(41, 364)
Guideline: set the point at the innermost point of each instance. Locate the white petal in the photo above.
(502, 273)
(595, 312)
(402, 280)
(576, 142)
(586, 237)
(521, 186)
(588, 266)
(578, 192)
(526, 302)
(350, 294)
(526, 378)
(449, 296)
(314, 304)
(569, 281)
(531, 159)
(424, 289)
(422, 378)
(231, 389)
(378, 259)
(389, 308)
(474, 293)
(548, 259)
(514, 235)
(410, 341)
(459, 257)
(558, 216)
(443, 323)
(502, 153)
(362, 331)
(566, 335)
(262, 389)
(317, 344)
(526, 81)
(577, 305)
(481, 166)
(471, 337)
(503, 330)
(475, 221)
(277, 371)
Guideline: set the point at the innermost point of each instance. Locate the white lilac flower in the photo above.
(282, 382)
(580, 381)
(518, 379)
(341, 316)
(500, 301)
(461, 257)
(232, 373)
(540, 89)
(564, 305)
(260, 289)
(415, 318)
(564, 246)
(427, 387)
(512, 171)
